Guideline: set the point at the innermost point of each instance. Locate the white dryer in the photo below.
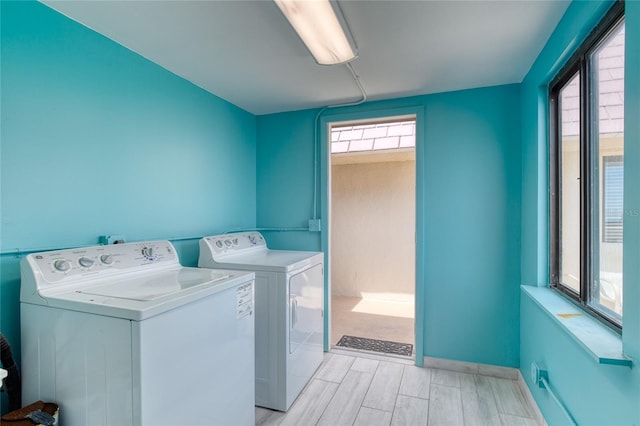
(289, 304)
(124, 335)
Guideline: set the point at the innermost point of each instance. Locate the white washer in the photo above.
(124, 335)
(289, 302)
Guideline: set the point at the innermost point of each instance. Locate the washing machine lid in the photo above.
(131, 281)
(155, 286)
(270, 260)
(143, 296)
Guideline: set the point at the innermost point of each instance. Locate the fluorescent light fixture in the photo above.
(319, 26)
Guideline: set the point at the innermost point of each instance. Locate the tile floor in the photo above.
(352, 388)
(372, 318)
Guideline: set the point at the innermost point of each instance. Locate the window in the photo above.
(613, 179)
(364, 137)
(586, 171)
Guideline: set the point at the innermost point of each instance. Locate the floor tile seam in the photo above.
(396, 406)
(361, 402)
(358, 403)
(404, 372)
(324, 410)
(368, 359)
(499, 406)
(397, 391)
(327, 381)
(445, 385)
(330, 381)
(377, 409)
(434, 374)
(476, 391)
(344, 375)
(349, 368)
(364, 396)
(326, 406)
(411, 396)
(364, 404)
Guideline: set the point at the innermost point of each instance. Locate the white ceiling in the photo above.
(246, 52)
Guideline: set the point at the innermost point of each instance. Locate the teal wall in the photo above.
(594, 394)
(472, 178)
(98, 140)
(468, 167)
(284, 173)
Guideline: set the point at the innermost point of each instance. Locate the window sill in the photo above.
(598, 340)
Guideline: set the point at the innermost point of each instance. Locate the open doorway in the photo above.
(372, 199)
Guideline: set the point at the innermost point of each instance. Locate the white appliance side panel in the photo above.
(271, 339)
(306, 328)
(80, 361)
(196, 363)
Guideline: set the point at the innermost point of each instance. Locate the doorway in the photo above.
(372, 198)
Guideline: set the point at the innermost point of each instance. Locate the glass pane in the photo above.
(608, 124)
(569, 201)
(374, 136)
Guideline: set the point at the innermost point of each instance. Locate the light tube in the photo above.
(316, 23)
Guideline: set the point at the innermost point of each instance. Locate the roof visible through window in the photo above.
(378, 136)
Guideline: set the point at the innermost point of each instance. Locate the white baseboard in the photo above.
(472, 368)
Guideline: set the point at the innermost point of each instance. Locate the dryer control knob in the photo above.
(107, 259)
(86, 262)
(62, 265)
(149, 253)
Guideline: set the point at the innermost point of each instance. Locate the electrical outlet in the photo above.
(111, 239)
(538, 375)
(314, 225)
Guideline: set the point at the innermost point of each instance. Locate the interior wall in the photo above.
(373, 230)
(97, 140)
(468, 174)
(285, 178)
(593, 393)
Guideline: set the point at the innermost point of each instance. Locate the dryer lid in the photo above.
(271, 260)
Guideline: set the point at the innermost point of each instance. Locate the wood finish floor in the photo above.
(363, 389)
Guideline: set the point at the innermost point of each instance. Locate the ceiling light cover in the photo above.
(320, 29)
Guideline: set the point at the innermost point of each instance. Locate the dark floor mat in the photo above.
(383, 346)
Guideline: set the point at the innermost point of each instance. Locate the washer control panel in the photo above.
(65, 265)
(235, 243)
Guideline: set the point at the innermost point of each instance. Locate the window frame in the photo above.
(579, 63)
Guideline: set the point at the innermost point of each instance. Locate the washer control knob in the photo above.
(107, 259)
(62, 265)
(227, 243)
(149, 253)
(86, 262)
(219, 244)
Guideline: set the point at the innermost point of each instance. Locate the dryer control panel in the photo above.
(220, 245)
(67, 266)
